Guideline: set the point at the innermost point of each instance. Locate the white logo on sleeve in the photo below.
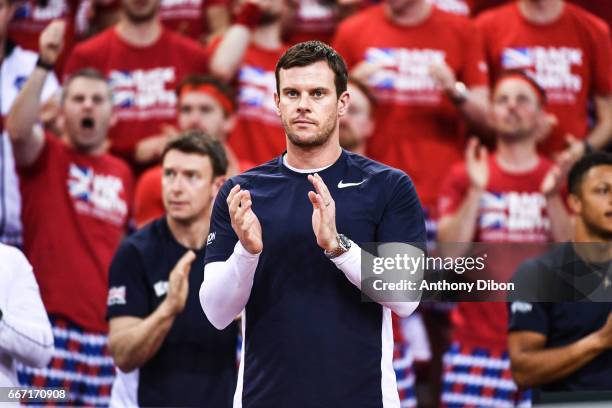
(521, 307)
(116, 296)
(342, 184)
(211, 238)
(161, 288)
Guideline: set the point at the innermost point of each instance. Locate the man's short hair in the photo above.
(198, 142)
(198, 80)
(310, 52)
(364, 90)
(525, 76)
(582, 166)
(90, 73)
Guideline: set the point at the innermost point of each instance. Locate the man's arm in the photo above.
(27, 138)
(227, 285)
(230, 52)
(461, 225)
(602, 132)
(561, 222)
(532, 364)
(217, 19)
(473, 103)
(132, 340)
(324, 227)
(25, 331)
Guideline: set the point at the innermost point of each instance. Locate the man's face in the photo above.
(187, 185)
(140, 11)
(6, 14)
(357, 125)
(87, 111)
(308, 105)
(594, 203)
(516, 109)
(201, 111)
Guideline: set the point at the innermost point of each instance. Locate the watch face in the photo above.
(344, 242)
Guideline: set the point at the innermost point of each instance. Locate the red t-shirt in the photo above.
(415, 121)
(75, 211)
(143, 80)
(187, 17)
(512, 209)
(30, 20)
(312, 20)
(258, 135)
(570, 58)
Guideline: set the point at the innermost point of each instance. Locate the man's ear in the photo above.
(229, 124)
(277, 103)
(343, 103)
(113, 119)
(217, 184)
(574, 203)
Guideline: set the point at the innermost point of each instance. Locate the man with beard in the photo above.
(247, 54)
(76, 205)
(144, 62)
(172, 355)
(511, 196)
(275, 250)
(566, 346)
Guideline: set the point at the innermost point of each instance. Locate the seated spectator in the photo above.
(17, 65)
(143, 62)
(568, 51)
(75, 210)
(206, 104)
(509, 196)
(158, 334)
(566, 346)
(247, 54)
(25, 332)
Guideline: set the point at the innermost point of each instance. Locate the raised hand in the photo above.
(477, 164)
(552, 182)
(178, 284)
(51, 41)
(443, 76)
(323, 214)
(244, 221)
(573, 152)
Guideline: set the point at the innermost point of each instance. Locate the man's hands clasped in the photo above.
(247, 227)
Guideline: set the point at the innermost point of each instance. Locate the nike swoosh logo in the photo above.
(341, 184)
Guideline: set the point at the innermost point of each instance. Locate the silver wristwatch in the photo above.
(344, 244)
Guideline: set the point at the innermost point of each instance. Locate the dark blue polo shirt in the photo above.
(563, 275)
(196, 364)
(309, 339)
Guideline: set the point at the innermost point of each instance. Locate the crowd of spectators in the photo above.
(485, 104)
